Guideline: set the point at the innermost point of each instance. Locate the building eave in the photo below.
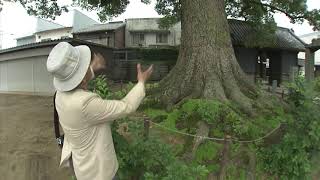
(50, 43)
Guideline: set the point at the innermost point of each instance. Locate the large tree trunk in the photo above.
(206, 66)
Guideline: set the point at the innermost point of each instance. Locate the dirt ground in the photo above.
(28, 150)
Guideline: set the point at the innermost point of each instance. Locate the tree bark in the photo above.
(206, 66)
(203, 131)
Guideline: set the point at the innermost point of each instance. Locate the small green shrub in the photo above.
(158, 54)
(207, 151)
(317, 85)
(140, 157)
(291, 158)
(99, 85)
(147, 158)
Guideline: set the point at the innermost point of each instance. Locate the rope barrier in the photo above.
(215, 138)
(186, 134)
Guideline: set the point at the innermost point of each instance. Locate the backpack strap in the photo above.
(59, 137)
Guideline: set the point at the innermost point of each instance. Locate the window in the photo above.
(162, 38)
(138, 39)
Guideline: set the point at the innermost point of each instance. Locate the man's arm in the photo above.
(97, 110)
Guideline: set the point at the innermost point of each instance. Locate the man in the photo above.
(85, 117)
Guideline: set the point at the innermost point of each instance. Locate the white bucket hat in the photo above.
(68, 65)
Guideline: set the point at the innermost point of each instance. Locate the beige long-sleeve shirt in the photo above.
(86, 121)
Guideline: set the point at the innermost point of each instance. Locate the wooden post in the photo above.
(294, 72)
(126, 56)
(251, 172)
(146, 128)
(274, 86)
(309, 64)
(225, 158)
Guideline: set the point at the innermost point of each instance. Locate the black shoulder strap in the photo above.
(55, 117)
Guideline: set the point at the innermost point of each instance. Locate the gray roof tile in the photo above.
(101, 27)
(285, 38)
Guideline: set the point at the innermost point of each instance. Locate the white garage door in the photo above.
(3, 76)
(42, 79)
(20, 75)
(26, 75)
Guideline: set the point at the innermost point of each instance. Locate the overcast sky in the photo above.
(15, 22)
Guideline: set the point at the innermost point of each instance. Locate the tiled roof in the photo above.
(285, 38)
(53, 29)
(50, 43)
(101, 27)
(240, 30)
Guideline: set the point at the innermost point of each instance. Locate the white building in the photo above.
(79, 21)
(38, 25)
(307, 38)
(53, 34)
(46, 30)
(23, 68)
(145, 32)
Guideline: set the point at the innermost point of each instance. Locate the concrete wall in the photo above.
(150, 39)
(120, 37)
(53, 34)
(149, 27)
